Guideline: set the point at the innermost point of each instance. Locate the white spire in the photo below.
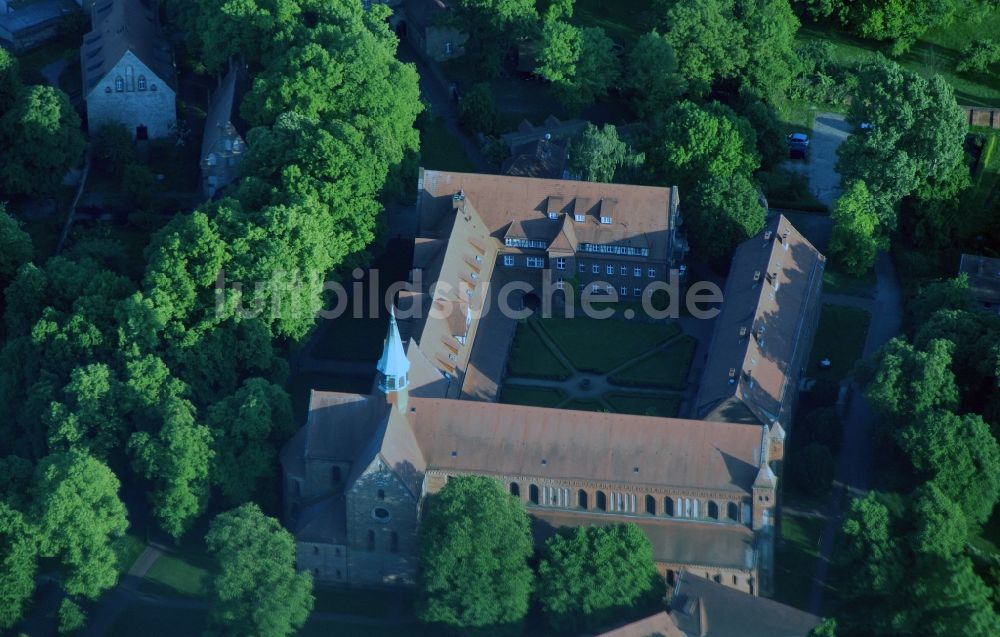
(393, 367)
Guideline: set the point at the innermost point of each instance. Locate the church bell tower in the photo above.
(393, 367)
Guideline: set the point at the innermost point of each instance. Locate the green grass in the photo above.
(840, 336)
(837, 282)
(663, 405)
(584, 404)
(531, 357)
(128, 548)
(531, 396)
(623, 20)
(152, 620)
(600, 346)
(361, 601)
(937, 52)
(795, 560)
(440, 150)
(667, 368)
(185, 575)
(978, 201)
(787, 189)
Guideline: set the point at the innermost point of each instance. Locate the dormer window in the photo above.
(579, 218)
(605, 220)
(553, 215)
(141, 83)
(119, 84)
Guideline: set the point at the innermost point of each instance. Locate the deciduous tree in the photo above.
(256, 590)
(857, 236)
(18, 563)
(722, 212)
(591, 575)
(15, 247)
(653, 77)
(475, 543)
(597, 154)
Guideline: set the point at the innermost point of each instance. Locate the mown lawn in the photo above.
(623, 20)
(600, 346)
(128, 548)
(531, 357)
(795, 559)
(663, 405)
(939, 51)
(184, 575)
(840, 336)
(531, 396)
(440, 150)
(152, 620)
(667, 368)
(837, 282)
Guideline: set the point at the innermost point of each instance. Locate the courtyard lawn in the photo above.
(937, 52)
(185, 575)
(585, 404)
(837, 282)
(600, 346)
(840, 336)
(666, 368)
(662, 405)
(530, 357)
(440, 150)
(623, 20)
(531, 396)
(795, 559)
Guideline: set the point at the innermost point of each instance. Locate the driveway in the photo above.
(829, 132)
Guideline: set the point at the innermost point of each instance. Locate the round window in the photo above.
(381, 514)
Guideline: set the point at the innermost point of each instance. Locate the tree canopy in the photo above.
(588, 576)
(475, 543)
(653, 78)
(42, 134)
(720, 213)
(579, 61)
(598, 154)
(18, 564)
(256, 590)
(15, 247)
(857, 236)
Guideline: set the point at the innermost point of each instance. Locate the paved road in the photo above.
(829, 131)
(854, 470)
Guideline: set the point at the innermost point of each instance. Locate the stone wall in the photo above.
(155, 107)
(381, 529)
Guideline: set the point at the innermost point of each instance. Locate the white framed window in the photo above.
(624, 270)
(637, 272)
(583, 268)
(508, 259)
(141, 83)
(579, 218)
(535, 262)
(636, 291)
(623, 291)
(610, 269)
(605, 220)
(119, 84)
(553, 215)
(560, 284)
(596, 289)
(560, 263)
(609, 288)
(595, 269)
(652, 273)
(448, 48)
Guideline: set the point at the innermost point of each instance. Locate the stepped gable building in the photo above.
(128, 70)
(763, 334)
(356, 474)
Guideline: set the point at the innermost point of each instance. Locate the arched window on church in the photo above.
(515, 490)
(581, 499)
(713, 510)
(119, 84)
(371, 540)
(381, 494)
(533, 493)
(668, 506)
(602, 501)
(733, 511)
(141, 83)
(650, 505)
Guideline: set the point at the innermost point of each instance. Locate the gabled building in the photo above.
(763, 334)
(33, 24)
(222, 145)
(128, 70)
(356, 474)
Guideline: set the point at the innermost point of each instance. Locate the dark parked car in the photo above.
(798, 145)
